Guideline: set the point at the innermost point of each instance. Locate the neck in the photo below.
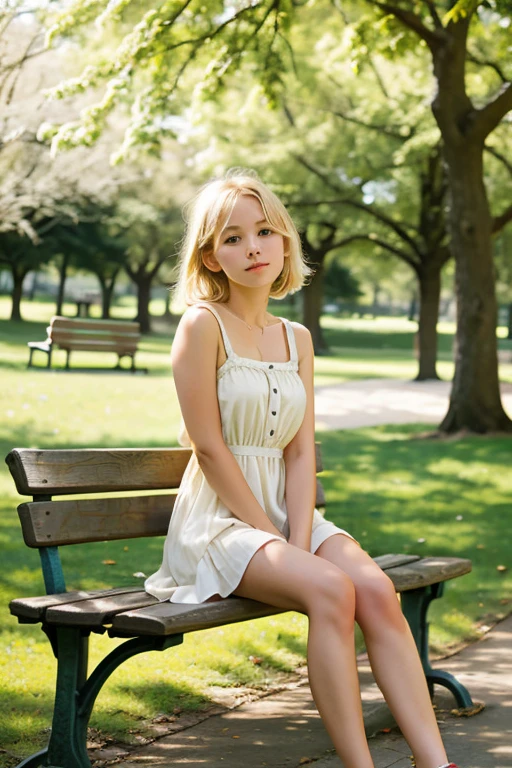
(250, 308)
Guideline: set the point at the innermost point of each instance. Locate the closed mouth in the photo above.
(254, 266)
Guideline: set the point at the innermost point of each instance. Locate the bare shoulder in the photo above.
(303, 339)
(198, 319)
(197, 327)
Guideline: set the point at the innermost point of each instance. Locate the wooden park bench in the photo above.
(69, 618)
(73, 334)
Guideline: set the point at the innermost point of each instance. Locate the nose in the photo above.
(253, 246)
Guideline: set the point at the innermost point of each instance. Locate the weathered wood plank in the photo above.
(320, 495)
(64, 335)
(35, 607)
(120, 326)
(101, 470)
(96, 345)
(97, 470)
(56, 523)
(318, 457)
(132, 611)
(390, 561)
(429, 570)
(98, 611)
(169, 618)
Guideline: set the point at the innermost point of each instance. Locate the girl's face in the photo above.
(249, 251)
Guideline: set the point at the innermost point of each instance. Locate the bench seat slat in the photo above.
(98, 611)
(132, 612)
(172, 618)
(166, 618)
(36, 607)
(427, 571)
(391, 561)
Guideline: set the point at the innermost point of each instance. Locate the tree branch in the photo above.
(400, 231)
(491, 64)
(438, 24)
(499, 156)
(403, 255)
(500, 221)
(487, 118)
(382, 128)
(411, 21)
(378, 77)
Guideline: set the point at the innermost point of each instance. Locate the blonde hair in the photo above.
(208, 214)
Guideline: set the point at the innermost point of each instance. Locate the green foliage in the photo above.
(340, 283)
(157, 49)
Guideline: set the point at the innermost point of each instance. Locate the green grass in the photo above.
(388, 489)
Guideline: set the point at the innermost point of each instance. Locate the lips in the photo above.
(255, 266)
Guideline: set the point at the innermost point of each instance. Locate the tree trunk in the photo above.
(143, 283)
(430, 292)
(17, 292)
(312, 310)
(62, 281)
(107, 291)
(167, 311)
(375, 300)
(475, 402)
(412, 306)
(33, 287)
(509, 336)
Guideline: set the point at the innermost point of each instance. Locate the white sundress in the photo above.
(207, 549)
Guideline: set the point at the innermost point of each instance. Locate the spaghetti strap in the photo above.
(225, 337)
(294, 358)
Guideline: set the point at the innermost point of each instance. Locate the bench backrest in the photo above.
(71, 331)
(47, 523)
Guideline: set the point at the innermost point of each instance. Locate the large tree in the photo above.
(153, 56)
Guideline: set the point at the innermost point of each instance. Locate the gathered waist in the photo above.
(256, 450)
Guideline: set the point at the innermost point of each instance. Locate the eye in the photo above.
(266, 232)
(232, 239)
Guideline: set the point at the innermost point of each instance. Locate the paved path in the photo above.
(369, 402)
(284, 730)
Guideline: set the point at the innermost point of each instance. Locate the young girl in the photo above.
(245, 522)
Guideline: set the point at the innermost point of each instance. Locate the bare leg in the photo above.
(391, 649)
(288, 577)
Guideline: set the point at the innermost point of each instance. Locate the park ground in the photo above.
(392, 487)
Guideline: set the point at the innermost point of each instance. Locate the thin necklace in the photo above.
(250, 327)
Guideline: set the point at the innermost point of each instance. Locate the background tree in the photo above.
(177, 34)
(152, 235)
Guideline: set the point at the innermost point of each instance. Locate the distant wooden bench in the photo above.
(68, 618)
(73, 334)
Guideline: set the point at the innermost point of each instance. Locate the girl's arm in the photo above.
(299, 454)
(194, 364)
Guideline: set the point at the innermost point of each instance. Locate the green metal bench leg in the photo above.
(67, 747)
(415, 604)
(76, 694)
(87, 695)
(35, 760)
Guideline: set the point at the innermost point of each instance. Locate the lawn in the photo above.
(395, 493)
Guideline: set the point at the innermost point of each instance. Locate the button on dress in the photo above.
(207, 549)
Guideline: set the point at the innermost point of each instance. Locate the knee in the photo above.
(333, 598)
(377, 603)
